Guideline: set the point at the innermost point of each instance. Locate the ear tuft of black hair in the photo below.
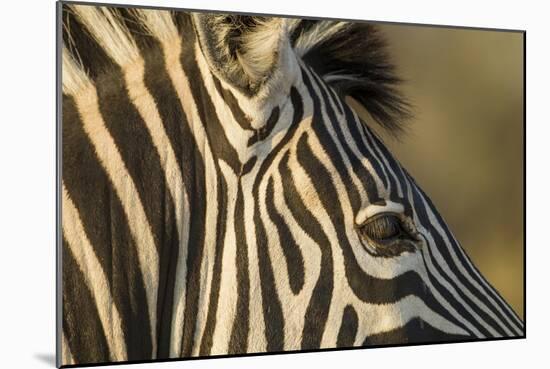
(353, 59)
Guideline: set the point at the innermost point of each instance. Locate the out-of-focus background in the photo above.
(465, 142)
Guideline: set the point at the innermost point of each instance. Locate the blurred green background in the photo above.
(464, 145)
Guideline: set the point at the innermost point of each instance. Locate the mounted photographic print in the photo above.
(235, 184)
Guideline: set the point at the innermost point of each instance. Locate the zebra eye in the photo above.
(388, 235)
(382, 227)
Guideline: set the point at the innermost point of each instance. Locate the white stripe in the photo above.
(73, 78)
(373, 209)
(159, 23)
(387, 317)
(320, 32)
(429, 264)
(256, 336)
(95, 277)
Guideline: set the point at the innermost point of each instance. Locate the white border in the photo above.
(27, 184)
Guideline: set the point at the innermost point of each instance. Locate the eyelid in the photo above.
(372, 210)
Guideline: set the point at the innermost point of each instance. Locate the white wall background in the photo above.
(27, 182)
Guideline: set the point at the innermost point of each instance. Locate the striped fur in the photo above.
(201, 220)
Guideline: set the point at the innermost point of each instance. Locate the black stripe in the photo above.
(207, 339)
(219, 143)
(273, 313)
(354, 126)
(232, 103)
(291, 250)
(264, 132)
(247, 167)
(415, 331)
(239, 333)
(348, 328)
(191, 165)
(336, 98)
(83, 47)
(106, 227)
(81, 323)
(195, 251)
(317, 310)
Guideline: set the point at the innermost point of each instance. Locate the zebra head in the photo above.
(349, 249)
(250, 209)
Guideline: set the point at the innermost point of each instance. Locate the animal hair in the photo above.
(109, 32)
(74, 78)
(244, 49)
(352, 58)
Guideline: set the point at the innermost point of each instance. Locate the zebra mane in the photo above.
(353, 59)
(350, 56)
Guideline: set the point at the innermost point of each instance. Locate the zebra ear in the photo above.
(242, 50)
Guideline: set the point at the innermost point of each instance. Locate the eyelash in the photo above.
(388, 234)
(382, 227)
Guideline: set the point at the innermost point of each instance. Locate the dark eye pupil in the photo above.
(382, 227)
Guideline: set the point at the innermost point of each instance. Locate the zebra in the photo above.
(219, 195)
